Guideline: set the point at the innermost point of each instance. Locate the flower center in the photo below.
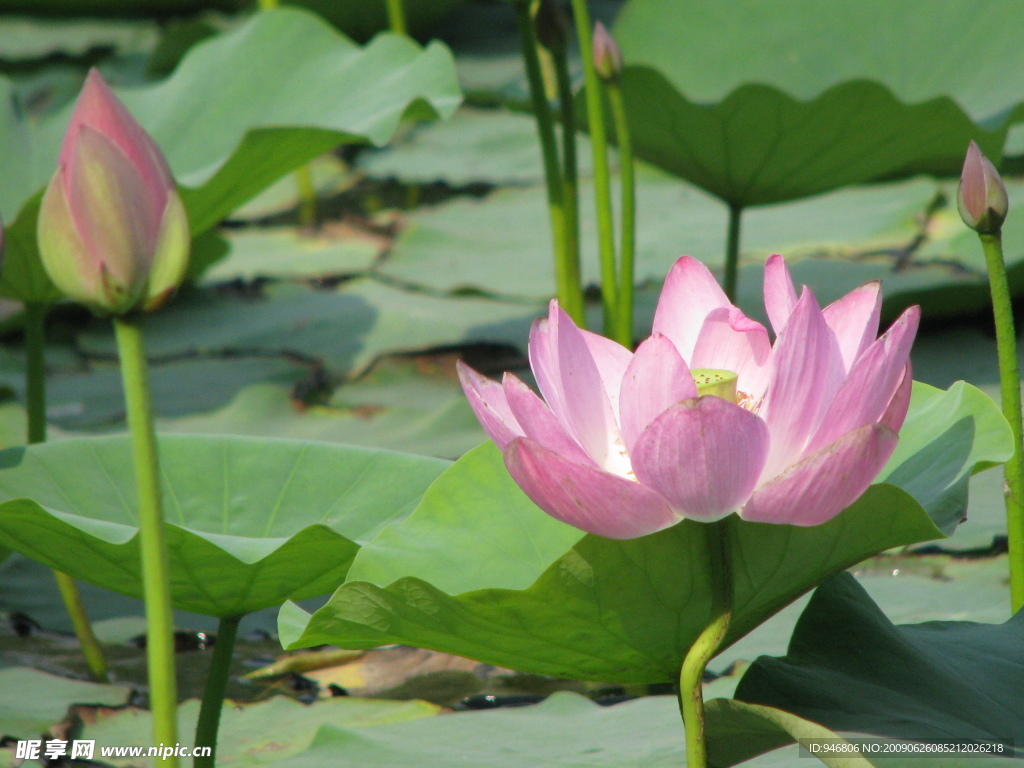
(719, 383)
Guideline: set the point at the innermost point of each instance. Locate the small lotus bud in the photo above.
(112, 230)
(552, 30)
(607, 56)
(982, 197)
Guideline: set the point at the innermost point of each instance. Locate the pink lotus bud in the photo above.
(982, 197)
(607, 56)
(113, 233)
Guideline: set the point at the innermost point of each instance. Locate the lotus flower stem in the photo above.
(624, 309)
(155, 568)
(567, 288)
(570, 184)
(732, 252)
(691, 693)
(213, 695)
(1009, 380)
(599, 146)
(396, 17)
(35, 401)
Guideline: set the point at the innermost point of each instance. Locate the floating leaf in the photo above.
(475, 146)
(638, 734)
(26, 717)
(250, 522)
(395, 406)
(257, 734)
(345, 328)
(477, 570)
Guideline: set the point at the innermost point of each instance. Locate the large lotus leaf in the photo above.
(263, 733)
(250, 522)
(345, 328)
(479, 571)
(737, 730)
(284, 252)
(760, 102)
(645, 733)
(960, 49)
(850, 669)
(93, 399)
(395, 406)
(26, 717)
(761, 146)
(247, 106)
(905, 234)
(469, 243)
(487, 146)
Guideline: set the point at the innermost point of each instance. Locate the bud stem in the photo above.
(570, 187)
(599, 145)
(155, 569)
(704, 648)
(35, 405)
(567, 283)
(396, 17)
(213, 693)
(624, 307)
(1009, 381)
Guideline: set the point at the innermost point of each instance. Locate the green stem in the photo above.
(549, 149)
(599, 145)
(213, 695)
(732, 252)
(573, 299)
(35, 405)
(91, 648)
(624, 310)
(307, 196)
(396, 17)
(1009, 381)
(156, 585)
(691, 693)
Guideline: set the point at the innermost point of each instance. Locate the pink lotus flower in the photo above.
(708, 417)
(113, 233)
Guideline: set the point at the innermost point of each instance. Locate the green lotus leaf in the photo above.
(26, 717)
(851, 670)
(760, 102)
(250, 522)
(263, 733)
(479, 571)
(760, 146)
(638, 734)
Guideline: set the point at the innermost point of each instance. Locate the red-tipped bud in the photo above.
(982, 197)
(113, 233)
(607, 56)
